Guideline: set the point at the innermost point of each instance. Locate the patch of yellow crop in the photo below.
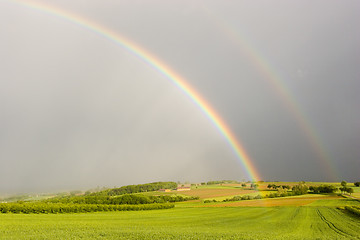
(216, 192)
(272, 202)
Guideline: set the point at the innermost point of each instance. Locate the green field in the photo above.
(187, 223)
(309, 216)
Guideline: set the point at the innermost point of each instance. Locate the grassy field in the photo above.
(356, 192)
(301, 200)
(310, 216)
(187, 223)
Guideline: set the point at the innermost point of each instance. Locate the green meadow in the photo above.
(187, 223)
(314, 216)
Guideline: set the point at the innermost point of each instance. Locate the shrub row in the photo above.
(236, 198)
(119, 200)
(353, 210)
(283, 194)
(240, 198)
(248, 197)
(38, 207)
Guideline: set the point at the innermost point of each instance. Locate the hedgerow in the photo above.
(122, 199)
(240, 198)
(354, 210)
(40, 207)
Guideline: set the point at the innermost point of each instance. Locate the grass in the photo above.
(311, 216)
(301, 200)
(187, 223)
(356, 192)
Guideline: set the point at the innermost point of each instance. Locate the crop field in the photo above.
(309, 216)
(214, 192)
(356, 192)
(288, 201)
(187, 223)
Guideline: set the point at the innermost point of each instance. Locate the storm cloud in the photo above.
(78, 110)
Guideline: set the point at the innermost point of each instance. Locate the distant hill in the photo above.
(148, 187)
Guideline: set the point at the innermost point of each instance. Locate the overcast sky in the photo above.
(79, 111)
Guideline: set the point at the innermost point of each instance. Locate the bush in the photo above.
(258, 197)
(300, 189)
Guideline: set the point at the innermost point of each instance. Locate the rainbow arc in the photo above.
(161, 67)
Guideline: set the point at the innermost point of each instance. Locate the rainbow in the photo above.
(279, 87)
(161, 67)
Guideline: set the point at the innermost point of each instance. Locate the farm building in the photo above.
(164, 190)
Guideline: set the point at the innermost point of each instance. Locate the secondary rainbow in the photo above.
(165, 70)
(280, 87)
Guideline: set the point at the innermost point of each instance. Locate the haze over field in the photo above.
(78, 110)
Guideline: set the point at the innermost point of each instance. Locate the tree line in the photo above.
(148, 187)
(220, 182)
(282, 191)
(344, 188)
(302, 188)
(131, 199)
(41, 207)
(353, 209)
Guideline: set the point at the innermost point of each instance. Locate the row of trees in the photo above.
(344, 188)
(40, 207)
(243, 184)
(148, 187)
(323, 189)
(220, 182)
(302, 188)
(241, 198)
(282, 191)
(353, 210)
(275, 187)
(132, 199)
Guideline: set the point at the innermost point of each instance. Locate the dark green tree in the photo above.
(300, 189)
(350, 190)
(343, 188)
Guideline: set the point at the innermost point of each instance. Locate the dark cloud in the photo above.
(78, 110)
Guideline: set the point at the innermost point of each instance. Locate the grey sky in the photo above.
(79, 111)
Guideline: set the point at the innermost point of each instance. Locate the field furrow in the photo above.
(187, 223)
(331, 225)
